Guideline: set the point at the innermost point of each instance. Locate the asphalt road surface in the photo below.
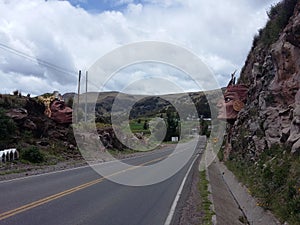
(82, 196)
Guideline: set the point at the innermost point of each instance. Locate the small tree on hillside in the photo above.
(172, 125)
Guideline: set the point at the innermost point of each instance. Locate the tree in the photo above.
(146, 125)
(172, 125)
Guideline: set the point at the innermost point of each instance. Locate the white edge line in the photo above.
(175, 202)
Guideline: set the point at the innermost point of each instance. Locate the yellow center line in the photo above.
(69, 191)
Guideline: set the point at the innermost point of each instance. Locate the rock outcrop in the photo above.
(109, 139)
(272, 112)
(34, 127)
(264, 141)
(60, 113)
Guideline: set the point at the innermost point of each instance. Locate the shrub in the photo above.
(33, 155)
(279, 16)
(7, 126)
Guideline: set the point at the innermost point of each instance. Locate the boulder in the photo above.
(17, 114)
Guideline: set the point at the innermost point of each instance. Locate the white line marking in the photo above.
(175, 202)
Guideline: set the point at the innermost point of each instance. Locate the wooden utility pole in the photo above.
(79, 78)
(86, 89)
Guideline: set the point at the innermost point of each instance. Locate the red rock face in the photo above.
(233, 102)
(60, 113)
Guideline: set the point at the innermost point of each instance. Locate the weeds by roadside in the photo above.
(206, 203)
(274, 179)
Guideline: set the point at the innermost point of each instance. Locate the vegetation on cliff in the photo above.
(273, 180)
(279, 16)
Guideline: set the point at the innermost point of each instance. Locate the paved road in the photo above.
(81, 196)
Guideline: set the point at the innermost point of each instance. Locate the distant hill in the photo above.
(143, 105)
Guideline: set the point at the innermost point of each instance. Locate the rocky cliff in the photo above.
(272, 112)
(264, 141)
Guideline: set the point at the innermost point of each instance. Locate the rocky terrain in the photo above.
(24, 125)
(264, 141)
(273, 74)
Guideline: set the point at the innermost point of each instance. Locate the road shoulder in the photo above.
(232, 201)
(226, 208)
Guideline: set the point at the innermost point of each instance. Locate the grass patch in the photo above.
(140, 126)
(274, 180)
(206, 203)
(2, 173)
(116, 152)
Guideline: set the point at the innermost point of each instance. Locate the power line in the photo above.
(37, 60)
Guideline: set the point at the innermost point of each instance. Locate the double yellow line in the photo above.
(47, 199)
(50, 198)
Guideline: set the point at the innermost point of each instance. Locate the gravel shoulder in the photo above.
(189, 210)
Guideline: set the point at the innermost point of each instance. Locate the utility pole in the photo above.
(86, 89)
(79, 78)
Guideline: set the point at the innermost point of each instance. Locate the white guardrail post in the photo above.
(8, 155)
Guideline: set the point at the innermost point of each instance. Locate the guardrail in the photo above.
(8, 155)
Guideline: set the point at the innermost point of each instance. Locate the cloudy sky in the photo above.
(43, 43)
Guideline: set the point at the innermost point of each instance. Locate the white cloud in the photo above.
(152, 78)
(219, 32)
(29, 84)
(122, 2)
(134, 9)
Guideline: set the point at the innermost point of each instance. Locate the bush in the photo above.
(33, 155)
(279, 16)
(7, 126)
